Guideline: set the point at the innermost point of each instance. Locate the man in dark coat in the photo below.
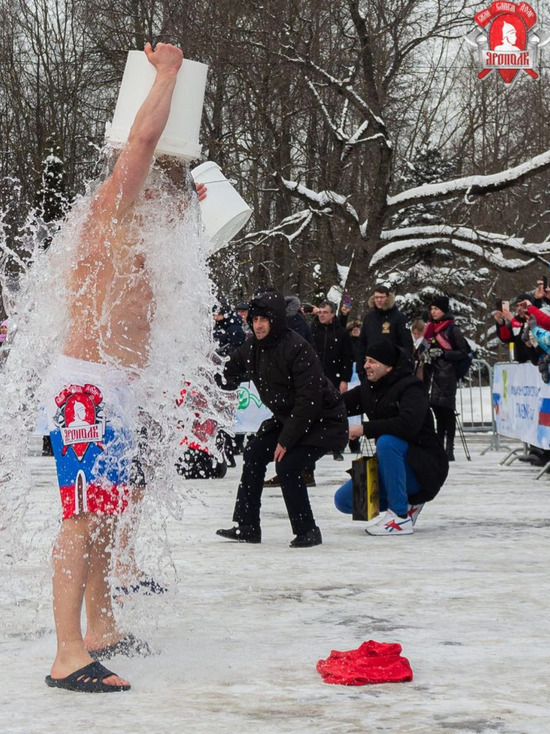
(333, 345)
(412, 463)
(309, 419)
(296, 319)
(335, 350)
(383, 320)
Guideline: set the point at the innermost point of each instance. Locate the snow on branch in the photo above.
(405, 247)
(298, 222)
(338, 131)
(441, 233)
(469, 185)
(343, 86)
(322, 199)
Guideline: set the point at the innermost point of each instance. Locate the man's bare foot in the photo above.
(73, 656)
(94, 641)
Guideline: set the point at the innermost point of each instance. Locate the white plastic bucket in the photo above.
(181, 134)
(224, 211)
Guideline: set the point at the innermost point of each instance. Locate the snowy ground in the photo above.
(242, 629)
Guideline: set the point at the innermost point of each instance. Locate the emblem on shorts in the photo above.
(507, 40)
(80, 418)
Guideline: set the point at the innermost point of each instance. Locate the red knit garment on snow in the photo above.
(372, 662)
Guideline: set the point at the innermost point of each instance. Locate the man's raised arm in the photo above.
(117, 194)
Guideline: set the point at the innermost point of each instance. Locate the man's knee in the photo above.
(343, 498)
(387, 446)
(291, 464)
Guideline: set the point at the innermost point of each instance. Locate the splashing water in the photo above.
(168, 237)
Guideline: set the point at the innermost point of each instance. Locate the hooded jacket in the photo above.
(383, 323)
(296, 319)
(397, 405)
(307, 409)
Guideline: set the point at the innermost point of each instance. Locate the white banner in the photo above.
(522, 404)
(251, 412)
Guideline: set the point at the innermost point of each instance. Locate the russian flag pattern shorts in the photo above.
(90, 415)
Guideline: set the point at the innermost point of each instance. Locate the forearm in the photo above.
(152, 116)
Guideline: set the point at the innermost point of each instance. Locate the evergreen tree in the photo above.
(428, 167)
(52, 199)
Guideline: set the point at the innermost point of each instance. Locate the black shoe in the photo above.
(273, 482)
(242, 533)
(312, 537)
(338, 456)
(309, 478)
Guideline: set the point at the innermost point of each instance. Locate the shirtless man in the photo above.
(110, 308)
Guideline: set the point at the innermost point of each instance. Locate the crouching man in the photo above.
(309, 419)
(412, 463)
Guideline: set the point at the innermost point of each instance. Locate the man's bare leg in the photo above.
(126, 568)
(101, 628)
(71, 561)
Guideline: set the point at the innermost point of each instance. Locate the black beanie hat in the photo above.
(441, 302)
(383, 351)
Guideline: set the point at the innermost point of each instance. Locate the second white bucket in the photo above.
(224, 211)
(181, 134)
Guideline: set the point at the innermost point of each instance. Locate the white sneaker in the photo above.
(414, 511)
(391, 524)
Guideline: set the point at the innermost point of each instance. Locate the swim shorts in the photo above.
(90, 414)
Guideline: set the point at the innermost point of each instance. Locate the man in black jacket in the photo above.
(309, 419)
(412, 463)
(333, 345)
(335, 350)
(382, 321)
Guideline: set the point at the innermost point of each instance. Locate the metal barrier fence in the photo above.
(474, 402)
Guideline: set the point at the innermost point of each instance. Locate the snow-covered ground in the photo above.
(241, 630)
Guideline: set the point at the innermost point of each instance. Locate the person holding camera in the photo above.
(442, 349)
(512, 327)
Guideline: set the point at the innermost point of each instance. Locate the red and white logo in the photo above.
(507, 40)
(80, 418)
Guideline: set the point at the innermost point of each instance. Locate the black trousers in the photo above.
(445, 424)
(257, 455)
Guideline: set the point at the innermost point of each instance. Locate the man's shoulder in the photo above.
(406, 381)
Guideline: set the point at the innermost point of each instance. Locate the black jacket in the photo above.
(296, 319)
(397, 405)
(229, 334)
(307, 409)
(333, 345)
(440, 375)
(387, 323)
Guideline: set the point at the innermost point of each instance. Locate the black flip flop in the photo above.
(129, 646)
(88, 679)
